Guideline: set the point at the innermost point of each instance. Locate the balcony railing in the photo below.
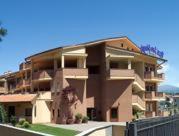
(43, 74)
(19, 84)
(2, 90)
(45, 95)
(150, 75)
(24, 66)
(23, 83)
(120, 74)
(75, 73)
(138, 102)
(153, 95)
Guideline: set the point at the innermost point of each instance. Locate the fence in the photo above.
(160, 126)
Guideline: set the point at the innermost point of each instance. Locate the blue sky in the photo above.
(37, 25)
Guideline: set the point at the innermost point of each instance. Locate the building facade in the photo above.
(106, 80)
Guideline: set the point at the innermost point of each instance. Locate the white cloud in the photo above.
(165, 68)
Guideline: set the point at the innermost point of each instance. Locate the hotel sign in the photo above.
(148, 49)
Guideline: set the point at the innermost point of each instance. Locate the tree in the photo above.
(3, 32)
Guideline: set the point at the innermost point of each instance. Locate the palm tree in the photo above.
(3, 32)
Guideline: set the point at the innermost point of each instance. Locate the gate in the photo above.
(159, 126)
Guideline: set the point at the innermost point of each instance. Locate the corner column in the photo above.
(32, 71)
(129, 64)
(62, 61)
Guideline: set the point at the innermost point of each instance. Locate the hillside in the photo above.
(168, 89)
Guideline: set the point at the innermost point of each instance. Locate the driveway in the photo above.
(86, 126)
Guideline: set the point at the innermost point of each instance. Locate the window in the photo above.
(122, 45)
(93, 69)
(28, 112)
(58, 113)
(53, 112)
(114, 64)
(114, 113)
(71, 63)
(35, 110)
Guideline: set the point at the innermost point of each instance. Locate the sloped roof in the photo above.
(86, 44)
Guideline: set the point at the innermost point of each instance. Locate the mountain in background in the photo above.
(168, 89)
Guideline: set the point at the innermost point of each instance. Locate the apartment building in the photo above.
(106, 80)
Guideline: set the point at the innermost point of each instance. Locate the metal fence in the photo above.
(160, 126)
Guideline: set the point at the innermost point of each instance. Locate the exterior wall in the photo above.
(94, 81)
(93, 91)
(43, 114)
(118, 94)
(20, 109)
(103, 94)
(111, 130)
(61, 111)
(103, 132)
(80, 86)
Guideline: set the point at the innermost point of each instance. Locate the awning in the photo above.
(17, 98)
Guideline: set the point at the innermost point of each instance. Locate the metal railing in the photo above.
(160, 126)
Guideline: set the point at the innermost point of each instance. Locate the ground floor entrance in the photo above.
(91, 113)
(11, 111)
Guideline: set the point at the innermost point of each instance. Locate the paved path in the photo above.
(86, 126)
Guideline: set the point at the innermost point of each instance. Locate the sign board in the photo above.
(150, 50)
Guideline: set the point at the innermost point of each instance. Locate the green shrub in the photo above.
(13, 120)
(21, 121)
(85, 119)
(26, 124)
(78, 116)
(3, 115)
(23, 124)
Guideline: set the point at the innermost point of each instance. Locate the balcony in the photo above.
(150, 114)
(45, 95)
(75, 73)
(19, 84)
(27, 82)
(2, 90)
(138, 103)
(43, 75)
(25, 66)
(120, 74)
(154, 96)
(138, 84)
(151, 76)
(23, 84)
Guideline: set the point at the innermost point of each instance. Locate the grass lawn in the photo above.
(52, 130)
